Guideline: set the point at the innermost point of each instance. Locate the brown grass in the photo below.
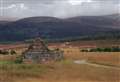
(64, 71)
(108, 58)
(80, 73)
(7, 57)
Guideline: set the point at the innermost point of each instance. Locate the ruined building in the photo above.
(38, 52)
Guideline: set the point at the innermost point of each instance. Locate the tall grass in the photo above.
(23, 69)
(10, 71)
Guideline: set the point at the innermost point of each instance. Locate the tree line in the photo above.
(112, 49)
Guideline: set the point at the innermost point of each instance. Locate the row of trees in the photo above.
(113, 49)
(6, 52)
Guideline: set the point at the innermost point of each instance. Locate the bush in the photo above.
(99, 49)
(12, 52)
(19, 60)
(4, 52)
(107, 50)
(84, 50)
(93, 50)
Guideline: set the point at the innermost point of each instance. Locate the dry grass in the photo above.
(64, 71)
(82, 73)
(107, 58)
(10, 71)
(7, 57)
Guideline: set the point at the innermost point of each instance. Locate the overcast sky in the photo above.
(58, 8)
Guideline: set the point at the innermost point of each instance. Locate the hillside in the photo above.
(109, 21)
(55, 28)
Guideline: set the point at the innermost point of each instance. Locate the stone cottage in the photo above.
(38, 52)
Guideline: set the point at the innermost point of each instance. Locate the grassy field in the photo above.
(12, 72)
(107, 58)
(63, 71)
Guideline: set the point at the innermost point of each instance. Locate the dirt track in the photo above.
(95, 65)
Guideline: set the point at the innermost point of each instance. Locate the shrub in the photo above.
(19, 60)
(84, 50)
(92, 50)
(12, 52)
(4, 52)
(107, 50)
(99, 49)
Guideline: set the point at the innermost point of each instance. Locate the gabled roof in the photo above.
(38, 45)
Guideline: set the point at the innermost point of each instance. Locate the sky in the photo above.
(58, 8)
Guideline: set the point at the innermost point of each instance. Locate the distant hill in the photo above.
(109, 21)
(55, 28)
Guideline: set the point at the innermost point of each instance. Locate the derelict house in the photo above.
(38, 52)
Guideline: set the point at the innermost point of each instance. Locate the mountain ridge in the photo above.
(53, 28)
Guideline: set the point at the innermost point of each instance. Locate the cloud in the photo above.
(10, 7)
(79, 2)
(60, 8)
(15, 6)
